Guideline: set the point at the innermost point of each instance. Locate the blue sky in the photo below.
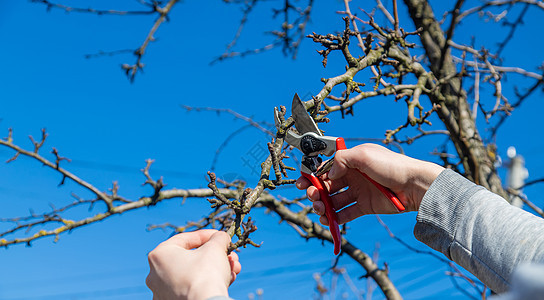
(109, 127)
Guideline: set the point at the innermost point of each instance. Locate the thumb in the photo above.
(218, 241)
(341, 164)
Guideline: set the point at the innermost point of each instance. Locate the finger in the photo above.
(312, 193)
(151, 279)
(237, 268)
(232, 277)
(302, 183)
(218, 241)
(319, 208)
(339, 201)
(323, 220)
(349, 213)
(232, 263)
(235, 265)
(233, 256)
(343, 199)
(191, 240)
(341, 164)
(331, 186)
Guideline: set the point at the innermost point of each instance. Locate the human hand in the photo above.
(177, 272)
(407, 177)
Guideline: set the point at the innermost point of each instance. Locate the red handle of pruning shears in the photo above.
(340, 145)
(329, 210)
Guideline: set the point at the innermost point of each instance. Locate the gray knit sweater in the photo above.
(478, 229)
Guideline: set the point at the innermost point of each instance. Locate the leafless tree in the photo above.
(427, 69)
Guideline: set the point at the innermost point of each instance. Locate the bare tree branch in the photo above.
(131, 70)
(50, 5)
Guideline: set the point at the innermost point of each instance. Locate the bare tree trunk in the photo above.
(455, 109)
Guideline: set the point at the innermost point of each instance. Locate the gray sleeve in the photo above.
(478, 229)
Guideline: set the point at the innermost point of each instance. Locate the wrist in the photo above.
(425, 175)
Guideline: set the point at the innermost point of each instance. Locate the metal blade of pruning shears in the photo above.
(303, 122)
(309, 138)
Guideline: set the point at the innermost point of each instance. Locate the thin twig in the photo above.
(50, 5)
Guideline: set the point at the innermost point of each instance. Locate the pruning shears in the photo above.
(311, 141)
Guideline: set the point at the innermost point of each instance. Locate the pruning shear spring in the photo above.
(313, 143)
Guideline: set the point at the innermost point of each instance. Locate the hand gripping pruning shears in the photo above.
(313, 143)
